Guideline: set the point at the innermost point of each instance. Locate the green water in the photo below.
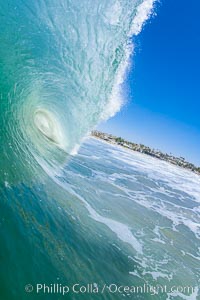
(119, 229)
(104, 218)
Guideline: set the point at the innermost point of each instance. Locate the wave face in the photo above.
(61, 65)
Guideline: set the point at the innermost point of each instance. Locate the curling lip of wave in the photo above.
(63, 69)
(50, 127)
(116, 101)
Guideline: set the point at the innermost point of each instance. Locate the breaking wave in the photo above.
(62, 64)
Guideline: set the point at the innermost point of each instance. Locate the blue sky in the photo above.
(163, 84)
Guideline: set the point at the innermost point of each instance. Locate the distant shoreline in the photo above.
(177, 161)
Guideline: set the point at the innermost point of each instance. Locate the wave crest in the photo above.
(62, 69)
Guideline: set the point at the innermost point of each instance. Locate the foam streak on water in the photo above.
(109, 215)
(147, 204)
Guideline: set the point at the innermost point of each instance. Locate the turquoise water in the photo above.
(109, 217)
(105, 219)
(61, 65)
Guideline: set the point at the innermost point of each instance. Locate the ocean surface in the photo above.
(110, 216)
(81, 219)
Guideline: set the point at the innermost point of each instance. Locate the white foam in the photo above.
(193, 296)
(143, 12)
(122, 231)
(174, 176)
(156, 274)
(7, 185)
(179, 179)
(158, 238)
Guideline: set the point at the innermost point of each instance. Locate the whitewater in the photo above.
(72, 209)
